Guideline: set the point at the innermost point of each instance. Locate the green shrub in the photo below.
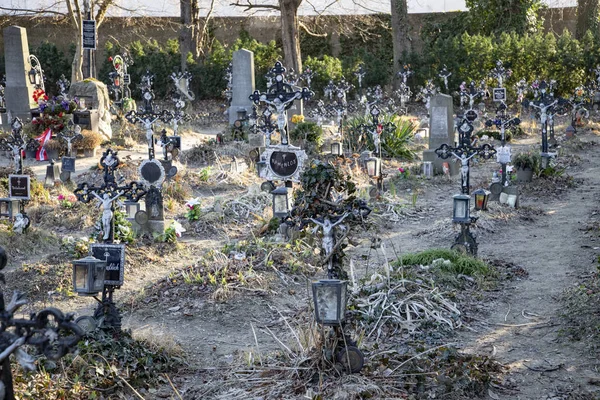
(527, 160)
(54, 64)
(458, 263)
(327, 68)
(310, 132)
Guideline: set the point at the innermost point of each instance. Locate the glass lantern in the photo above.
(329, 297)
(8, 207)
(373, 166)
(34, 77)
(281, 202)
(336, 148)
(481, 199)
(261, 168)
(461, 211)
(88, 276)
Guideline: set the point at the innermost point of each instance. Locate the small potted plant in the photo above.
(526, 164)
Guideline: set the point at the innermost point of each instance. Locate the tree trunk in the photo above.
(587, 17)
(400, 32)
(290, 34)
(77, 65)
(187, 27)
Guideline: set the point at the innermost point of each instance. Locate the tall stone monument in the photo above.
(18, 91)
(242, 85)
(441, 130)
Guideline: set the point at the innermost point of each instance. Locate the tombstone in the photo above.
(441, 131)
(18, 91)
(152, 175)
(242, 83)
(96, 117)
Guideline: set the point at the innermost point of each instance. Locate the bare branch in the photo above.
(29, 11)
(72, 13)
(249, 6)
(102, 11)
(307, 30)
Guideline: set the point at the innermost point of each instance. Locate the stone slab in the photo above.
(242, 84)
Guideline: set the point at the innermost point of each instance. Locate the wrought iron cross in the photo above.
(17, 142)
(109, 163)
(464, 152)
(72, 133)
(280, 97)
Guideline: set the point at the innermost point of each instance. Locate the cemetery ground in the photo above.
(224, 312)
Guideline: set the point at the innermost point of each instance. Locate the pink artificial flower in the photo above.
(61, 197)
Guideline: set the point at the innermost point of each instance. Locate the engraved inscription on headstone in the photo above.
(114, 255)
(68, 164)
(19, 187)
(439, 122)
(283, 163)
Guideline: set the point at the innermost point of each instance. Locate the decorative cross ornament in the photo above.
(445, 74)
(464, 153)
(280, 97)
(109, 191)
(16, 143)
(307, 76)
(500, 73)
(72, 133)
(360, 74)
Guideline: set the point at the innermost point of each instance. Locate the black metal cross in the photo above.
(147, 118)
(72, 133)
(464, 152)
(110, 189)
(17, 142)
(280, 97)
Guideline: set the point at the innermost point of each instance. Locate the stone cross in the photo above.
(280, 97)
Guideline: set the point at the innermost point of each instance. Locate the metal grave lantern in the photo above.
(373, 165)
(8, 207)
(88, 276)
(461, 212)
(281, 201)
(329, 297)
(481, 199)
(52, 174)
(428, 169)
(261, 168)
(336, 148)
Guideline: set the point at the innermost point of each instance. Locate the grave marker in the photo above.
(441, 131)
(242, 83)
(18, 90)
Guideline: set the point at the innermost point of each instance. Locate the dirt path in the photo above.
(524, 329)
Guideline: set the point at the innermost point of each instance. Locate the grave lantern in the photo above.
(34, 78)
(52, 174)
(336, 148)
(88, 276)
(373, 165)
(281, 202)
(460, 213)
(428, 169)
(8, 207)
(329, 297)
(481, 199)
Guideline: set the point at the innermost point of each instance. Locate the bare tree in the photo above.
(400, 32)
(588, 12)
(75, 12)
(194, 29)
(290, 28)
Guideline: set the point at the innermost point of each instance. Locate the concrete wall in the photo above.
(226, 30)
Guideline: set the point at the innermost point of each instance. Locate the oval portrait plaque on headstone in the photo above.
(283, 163)
(152, 172)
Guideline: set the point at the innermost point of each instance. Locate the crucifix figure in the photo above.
(500, 73)
(307, 76)
(328, 240)
(464, 152)
(445, 74)
(16, 143)
(107, 211)
(280, 96)
(108, 192)
(69, 135)
(147, 119)
(405, 73)
(360, 74)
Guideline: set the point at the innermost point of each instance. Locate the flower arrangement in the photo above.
(404, 173)
(54, 111)
(193, 213)
(297, 118)
(67, 201)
